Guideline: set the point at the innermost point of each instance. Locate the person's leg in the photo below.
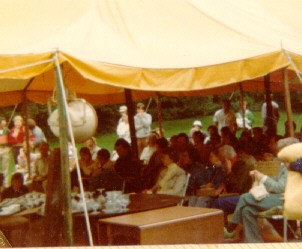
(248, 200)
(16, 150)
(227, 204)
(251, 228)
(247, 211)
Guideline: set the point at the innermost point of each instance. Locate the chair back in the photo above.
(269, 168)
(183, 194)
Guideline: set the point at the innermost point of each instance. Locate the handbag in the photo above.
(293, 196)
(258, 190)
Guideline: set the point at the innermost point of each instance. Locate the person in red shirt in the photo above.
(16, 137)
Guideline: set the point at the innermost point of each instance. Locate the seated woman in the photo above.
(41, 165)
(150, 172)
(172, 178)
(86, 163)
(87, 167)
(188, 161)
(149, 149)
(16, 189)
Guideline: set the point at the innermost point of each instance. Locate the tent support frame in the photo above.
(65, 133)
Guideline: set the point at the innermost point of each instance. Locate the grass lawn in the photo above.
(172, 127)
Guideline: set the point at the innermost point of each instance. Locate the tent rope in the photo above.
(292, 64)
(11, 116)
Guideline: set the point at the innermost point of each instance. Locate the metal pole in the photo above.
(68, 228)
(288, 104)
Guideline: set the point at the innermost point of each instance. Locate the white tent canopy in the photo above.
(158, 45)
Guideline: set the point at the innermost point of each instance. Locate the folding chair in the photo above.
(269, 168)
(297, 233)
(183, 194)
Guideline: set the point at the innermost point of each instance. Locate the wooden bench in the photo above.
(172, 225)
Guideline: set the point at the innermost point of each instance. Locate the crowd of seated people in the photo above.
(215, 160)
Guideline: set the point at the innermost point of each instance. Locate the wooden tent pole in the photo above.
(68, 228)
(159, 115)
(288, 103)
(129, 103)
(242, 104)
(25, 114)
(269, 107)
(27, 152)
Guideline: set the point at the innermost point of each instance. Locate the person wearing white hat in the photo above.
(197, 126)
(123, 129)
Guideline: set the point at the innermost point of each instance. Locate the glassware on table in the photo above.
(95, 206)
(124, 201)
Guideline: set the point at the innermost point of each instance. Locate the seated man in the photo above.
(247, 208)
(127, 167)
(238, 179)
(16, 189)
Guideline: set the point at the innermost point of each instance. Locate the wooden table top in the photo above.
(169, 214)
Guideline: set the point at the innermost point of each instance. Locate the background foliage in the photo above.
(173, 108)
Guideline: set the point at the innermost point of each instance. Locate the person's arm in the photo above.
(177, 187)
(239, 180)
(263, 111)
(39, 136)
(274, 185)
(138, 123)
(146, 120)
(296, 166)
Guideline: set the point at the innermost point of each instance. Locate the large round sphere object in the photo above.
(83, 119)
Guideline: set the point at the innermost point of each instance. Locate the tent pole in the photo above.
(129, 103)
(242, 104)
(269, 107)
(159, 115)
(68, 230)
(27, 152)
(288, 103)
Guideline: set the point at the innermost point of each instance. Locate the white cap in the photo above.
(123, 108)
(197, 123)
